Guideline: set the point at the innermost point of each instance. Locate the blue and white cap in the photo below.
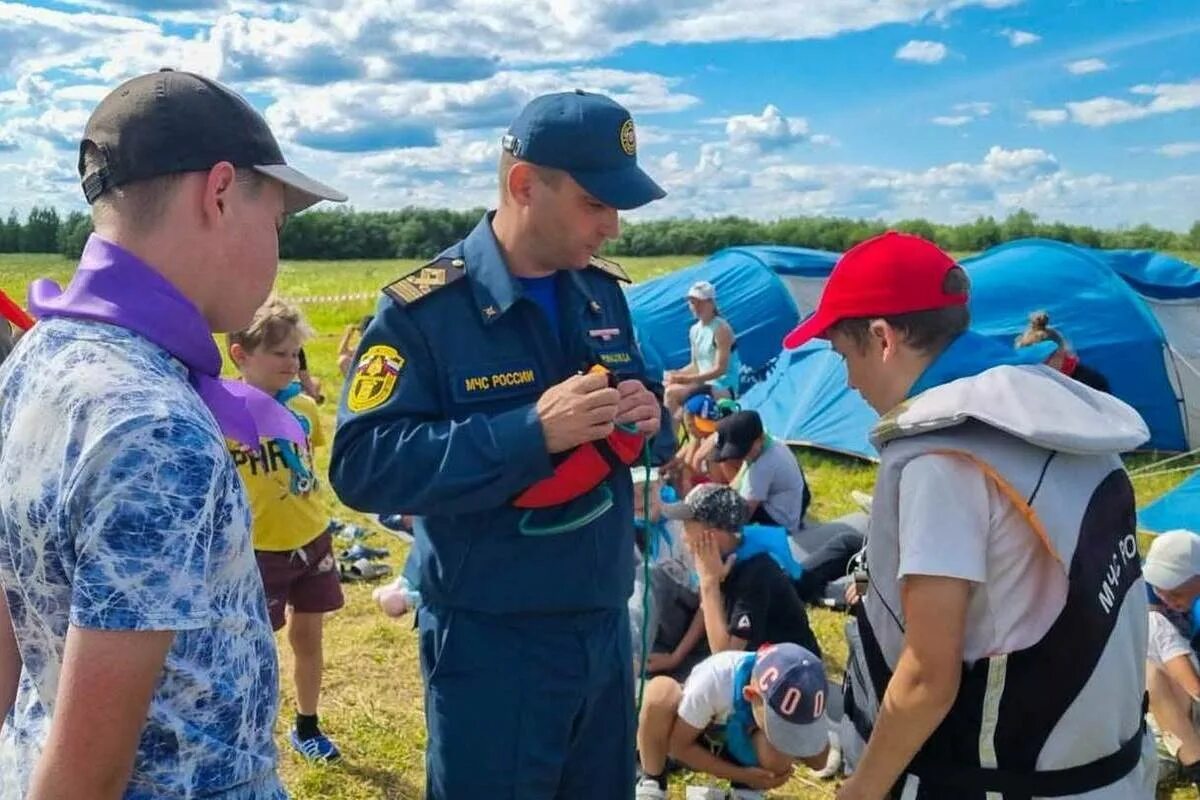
(791, 681)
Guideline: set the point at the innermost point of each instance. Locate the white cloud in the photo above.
(1020, 38)
(922, 52)
(967, 113)
(977, 109)
(1179, 149)
(1099, 112)
(1086, 66)
(766, 132)
(1047, 116)
(361, 116)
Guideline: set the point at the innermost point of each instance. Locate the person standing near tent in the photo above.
(1005, 617)
(1063, 359)
(715, 361)
(475, 402)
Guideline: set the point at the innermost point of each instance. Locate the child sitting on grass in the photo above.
(292, 529)
(743, 717)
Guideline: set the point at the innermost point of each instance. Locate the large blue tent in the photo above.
(1106, 320)
(1134, 315)
(806, 401)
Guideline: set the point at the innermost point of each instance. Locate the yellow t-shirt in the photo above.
(283, 520)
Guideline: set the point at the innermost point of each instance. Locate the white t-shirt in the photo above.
(954, 522)
(775, 480)
(980, 537)
(1167, 642)
(708, 692)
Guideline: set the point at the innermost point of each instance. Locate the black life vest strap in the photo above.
(1044, 783)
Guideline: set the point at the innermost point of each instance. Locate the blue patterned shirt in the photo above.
(120, 510)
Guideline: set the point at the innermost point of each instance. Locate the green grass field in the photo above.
(372, 698)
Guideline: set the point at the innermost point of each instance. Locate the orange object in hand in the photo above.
(585, 467)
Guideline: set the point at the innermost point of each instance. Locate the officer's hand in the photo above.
(762, 779)
(580, 409)
(638, 406)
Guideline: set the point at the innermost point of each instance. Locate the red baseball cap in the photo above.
(893, 273)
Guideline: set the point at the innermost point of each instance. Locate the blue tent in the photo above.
(1154, 275)
(805, 400)
(1106, 321)
(1178, 508)
(750, 294)
(1133, 315)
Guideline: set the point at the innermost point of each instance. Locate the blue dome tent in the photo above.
(1133, 315)
(752, 294)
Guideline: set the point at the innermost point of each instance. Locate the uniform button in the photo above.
(458, 262)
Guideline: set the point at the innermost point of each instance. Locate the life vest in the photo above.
(1076, 697)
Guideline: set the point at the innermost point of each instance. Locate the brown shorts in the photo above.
(305, 579)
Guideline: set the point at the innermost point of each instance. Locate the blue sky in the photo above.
(1079, 110)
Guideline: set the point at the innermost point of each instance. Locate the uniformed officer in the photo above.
(475, 404)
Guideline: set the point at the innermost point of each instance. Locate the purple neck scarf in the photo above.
(112, 285)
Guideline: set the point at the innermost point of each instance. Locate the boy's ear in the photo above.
(749, 694)
(237, 353)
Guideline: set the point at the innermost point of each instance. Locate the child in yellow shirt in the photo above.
(292, 532)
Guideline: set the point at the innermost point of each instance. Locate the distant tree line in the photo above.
(422, 233)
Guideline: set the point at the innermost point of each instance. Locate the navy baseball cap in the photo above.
(590, 137)
(791, 681)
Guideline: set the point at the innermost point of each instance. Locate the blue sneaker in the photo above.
(318, 748)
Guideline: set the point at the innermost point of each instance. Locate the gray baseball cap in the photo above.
(713, 504)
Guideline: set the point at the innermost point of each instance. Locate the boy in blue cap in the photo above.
(475, 404)
(744, 717)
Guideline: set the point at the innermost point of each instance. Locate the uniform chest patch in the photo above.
(494, 380)
(375, 378)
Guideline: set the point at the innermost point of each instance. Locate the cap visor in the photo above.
(300, 191)
(677, 511)
(729, 452)
(1162, 577)
(796, 741)
(815, 327)
(622, 189)
(704, 425)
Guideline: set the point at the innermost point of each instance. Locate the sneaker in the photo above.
(318, 748)
(648, 789)
(704, 793)
(746, 794)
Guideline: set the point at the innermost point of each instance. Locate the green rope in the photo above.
(645, 576)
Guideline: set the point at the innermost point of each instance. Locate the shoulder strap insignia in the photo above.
(610, 268)
(425, 280)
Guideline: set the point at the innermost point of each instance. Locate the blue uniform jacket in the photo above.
(453, 365)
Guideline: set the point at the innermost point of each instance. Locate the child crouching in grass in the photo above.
(744, 717)
(292, 530)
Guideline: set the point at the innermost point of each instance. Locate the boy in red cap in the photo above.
(1004, 623)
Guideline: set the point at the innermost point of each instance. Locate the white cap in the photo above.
(1173, 559)
(702, 290)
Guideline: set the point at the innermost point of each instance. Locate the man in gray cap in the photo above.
(142, 663)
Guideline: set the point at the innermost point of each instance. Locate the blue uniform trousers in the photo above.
(528, 707)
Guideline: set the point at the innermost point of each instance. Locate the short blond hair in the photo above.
(273, 322)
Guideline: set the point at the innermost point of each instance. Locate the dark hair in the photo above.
(1039, 330)
(927, 331)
